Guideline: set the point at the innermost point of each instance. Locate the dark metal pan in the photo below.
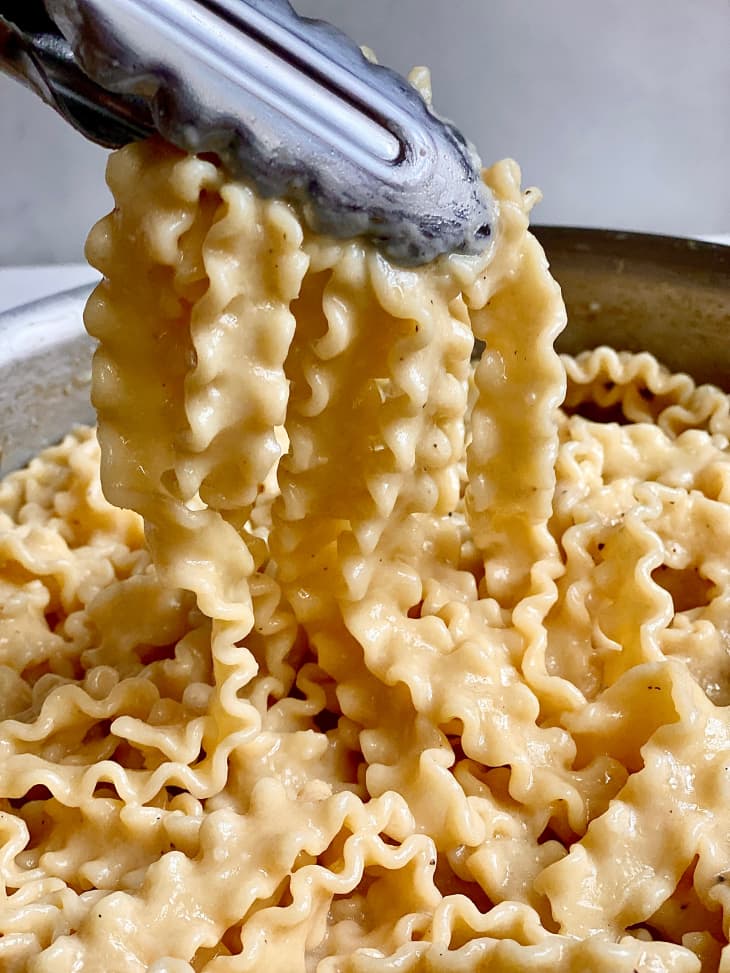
(640, 292)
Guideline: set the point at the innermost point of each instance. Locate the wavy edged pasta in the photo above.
(371, 660)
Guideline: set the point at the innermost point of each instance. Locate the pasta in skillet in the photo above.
(378, 661)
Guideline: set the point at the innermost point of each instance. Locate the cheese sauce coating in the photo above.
(371, 660)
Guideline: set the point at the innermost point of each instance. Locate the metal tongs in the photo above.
(290, 103)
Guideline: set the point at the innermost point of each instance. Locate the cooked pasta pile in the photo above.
(379, 661)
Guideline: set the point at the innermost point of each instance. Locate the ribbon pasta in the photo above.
(378, 661)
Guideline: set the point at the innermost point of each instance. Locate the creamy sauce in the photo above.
(414, 670)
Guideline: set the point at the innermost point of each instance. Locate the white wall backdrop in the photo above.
(618, 109)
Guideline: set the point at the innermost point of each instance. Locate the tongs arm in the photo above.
(34, 52)
(287, 102)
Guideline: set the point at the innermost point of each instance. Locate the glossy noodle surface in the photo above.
(371, 659)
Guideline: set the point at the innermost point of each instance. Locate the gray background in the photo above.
(618, 109)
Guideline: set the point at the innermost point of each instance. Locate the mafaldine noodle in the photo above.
(368, 658)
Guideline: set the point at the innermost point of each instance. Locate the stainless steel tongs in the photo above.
(290, 103)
